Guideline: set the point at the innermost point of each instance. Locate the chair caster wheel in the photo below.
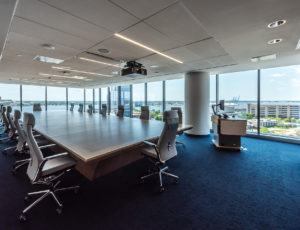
(27, 199)
(76, 191)
(162, 189)
(14, 172)
(176, 181)
(141, 181)
(4, 153)
(59, 211)
(22, 218)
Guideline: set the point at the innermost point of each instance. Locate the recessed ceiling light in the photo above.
(80, 71)
(277, 23)
(19, 55)
(274, 41)
(48, 47)
(48, 59)
(148, 48)
(104, 51)
(264, 58)
(298, 45)
(99, 62)
(154, 66)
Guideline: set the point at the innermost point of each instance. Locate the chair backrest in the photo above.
(80, 109)
(90, 109)
(37, 107)
(120, 112)
(179, 110)
(72, 107)
(4, 118)
(11, 123)
(21, 136)
(36, 156)
(145, 113)
(167, 140)
(104, 109)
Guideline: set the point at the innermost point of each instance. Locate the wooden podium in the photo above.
(228, 132)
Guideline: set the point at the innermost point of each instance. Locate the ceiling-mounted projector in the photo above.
(133, 69)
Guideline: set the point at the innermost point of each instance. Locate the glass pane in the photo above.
(10, 95)
(104, 96)
(138, 97)
(212, 95)
(96, 100)
(280, 101)
(33, 94)
(76, 96)
(113, 100)
(239, 90)
(175, 94)
(125, 99)
(56, 98)
(155, 100)
(88, 98)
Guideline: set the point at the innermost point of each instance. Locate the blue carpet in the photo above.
(255, 189)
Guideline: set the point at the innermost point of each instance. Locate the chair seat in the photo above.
(150, 151)
(57, 164)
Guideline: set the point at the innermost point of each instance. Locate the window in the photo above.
(138, 97)
(97, 100)
(114, 100)
(125, 100)
(76, 96)
(280, 101)
(239, 90)
(155, 100)
(88, 97)
(104, 93)
(10, 95)
(213, 95)
(56, 98)
(33, 94)
(175, 94)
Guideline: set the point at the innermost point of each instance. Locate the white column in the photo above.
(197, 102)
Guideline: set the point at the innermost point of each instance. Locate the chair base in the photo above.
(19, 164)
(160, 172)
(45, 193)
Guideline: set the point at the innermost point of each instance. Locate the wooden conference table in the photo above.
(99, 144)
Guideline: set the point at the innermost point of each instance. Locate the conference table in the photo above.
(100, 144)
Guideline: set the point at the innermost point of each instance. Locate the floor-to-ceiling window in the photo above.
(113, 100)
(239, 90)
(175, 94)
(56, 98)
(125, 100)
(280, 101)
(213, 94)
(155, 99)
(104, 95)
(97, 100)
(33, 94)
(10, 95)
(76, 96)
(138, 98)
(88, 98)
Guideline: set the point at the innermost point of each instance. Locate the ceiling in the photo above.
(206, 35)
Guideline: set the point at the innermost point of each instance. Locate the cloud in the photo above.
(279, 74)
(298, 70)
(295, 82)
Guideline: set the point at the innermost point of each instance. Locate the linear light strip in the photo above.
(100, 62)
(146, 47)
(54, 75)
(80, 71)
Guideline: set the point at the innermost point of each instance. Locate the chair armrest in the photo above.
(46, 146)
(150, 144)
(57, 155)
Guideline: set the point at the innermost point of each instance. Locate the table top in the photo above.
(94, 136)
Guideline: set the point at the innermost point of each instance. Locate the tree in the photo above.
(286, 120)
(249, 116)
(264, 130)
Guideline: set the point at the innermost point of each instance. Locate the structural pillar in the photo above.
(197, 102)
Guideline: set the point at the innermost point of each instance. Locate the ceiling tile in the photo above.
(143, 8)
(100, 12)
(48, 35)
(46, 15)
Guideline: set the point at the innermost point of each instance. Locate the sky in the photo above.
(276, 84)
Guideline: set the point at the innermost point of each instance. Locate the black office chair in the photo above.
(120, 112)
(44, 170)
(80, 109)
(72, 107)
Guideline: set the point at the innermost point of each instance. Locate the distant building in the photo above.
(282, 111)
